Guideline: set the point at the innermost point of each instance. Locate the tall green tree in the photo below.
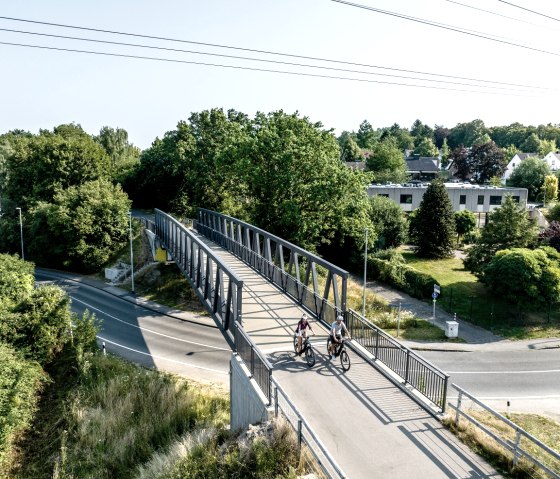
(434, 223)
(467, 134)
(530, 174)
(465, 222)
(350, 151)
(550, 188)
(426, 147)
(389, 221)
(387, 162)
(421, 131)
(124, 155)
(509, 226)
(366, 136)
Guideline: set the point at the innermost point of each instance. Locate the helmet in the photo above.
(339, 318)
(304, 316)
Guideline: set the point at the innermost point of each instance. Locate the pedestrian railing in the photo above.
(415, 371)
(216, 285)
(257, 364)
(306, 436)
(291, 268)
(520, 444)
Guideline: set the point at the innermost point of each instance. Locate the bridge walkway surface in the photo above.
(370, 426)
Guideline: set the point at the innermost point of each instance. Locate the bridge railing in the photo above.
(279, 261)
(306, 436)
(254, 359)
(419, 373)
(216, 285)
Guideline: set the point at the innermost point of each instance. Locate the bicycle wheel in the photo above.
(344, 360)
(295, 345)
(328, 345)
(310, 356)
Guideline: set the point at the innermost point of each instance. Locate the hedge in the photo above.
(401, 276)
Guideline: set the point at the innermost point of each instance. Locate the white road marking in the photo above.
(505, 372)
(160, 357)
(148, 330)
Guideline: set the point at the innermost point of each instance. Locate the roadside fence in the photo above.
(527, 452)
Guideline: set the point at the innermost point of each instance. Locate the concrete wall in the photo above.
(248, 404)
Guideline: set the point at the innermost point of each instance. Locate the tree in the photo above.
(389, 221)
(550, 188)
(551, 236)
(82, 227)
(426, 147)
(440, 135)
(16, 280)
(445, 153)
(546, 147)
(350, 151)
(467, 134)
(387, 162)
(365, 136)
(509, 226)
(532, 144)
(524, 277)
(461, 164)
(433, 224)
(43, 164)
(486, 160)
(405, 141)
(530, 174)
(465, 222)
(420, 131)
(123, 154)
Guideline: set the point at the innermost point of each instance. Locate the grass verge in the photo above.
(464, 295)
(544, 429)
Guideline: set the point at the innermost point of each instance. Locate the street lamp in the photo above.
(365, 275)
(131, 254)
(21, 232)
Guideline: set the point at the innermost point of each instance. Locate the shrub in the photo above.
(389, 254)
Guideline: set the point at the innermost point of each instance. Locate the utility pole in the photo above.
(21, 232)
(131, 253)
(365, 278)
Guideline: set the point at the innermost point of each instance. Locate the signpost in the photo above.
(435, 294)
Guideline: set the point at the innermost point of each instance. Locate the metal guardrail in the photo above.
(515, 447)
(216, 285)
(279, 261)
(256, 362)
(306, 435)
(419, 373)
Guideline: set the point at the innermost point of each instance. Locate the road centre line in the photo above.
(505, 372)
(161, 357)
(148, 330)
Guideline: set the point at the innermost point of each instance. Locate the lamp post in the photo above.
(21, 232)
(131, 254)
(365, 275)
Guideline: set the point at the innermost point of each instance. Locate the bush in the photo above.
(389, 254)
(411, 281)
(20, 383)
(554, 213)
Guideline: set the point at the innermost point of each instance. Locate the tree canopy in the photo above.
(530, 174)
(387, 162)
(389, 221)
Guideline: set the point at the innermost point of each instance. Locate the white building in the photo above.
(553, 160)
(514, 163)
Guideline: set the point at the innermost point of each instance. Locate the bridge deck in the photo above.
(370, 426)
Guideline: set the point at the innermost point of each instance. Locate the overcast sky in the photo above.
(42, 88)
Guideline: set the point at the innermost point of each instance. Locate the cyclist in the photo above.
(301, 330)
(336, 334)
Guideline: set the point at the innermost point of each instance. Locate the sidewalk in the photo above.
(476, 338)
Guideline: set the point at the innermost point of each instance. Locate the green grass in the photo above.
(462, 294)
(544, 429)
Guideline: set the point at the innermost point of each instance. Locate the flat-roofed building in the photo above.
(463, 196)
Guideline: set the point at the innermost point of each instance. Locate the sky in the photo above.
(42, 88)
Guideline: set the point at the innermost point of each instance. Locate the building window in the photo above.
(384, 195)
(406, 199)
(463, 199)
(495, 200)
(515, 198)
(480, 200)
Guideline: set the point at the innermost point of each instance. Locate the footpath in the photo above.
(476, 338)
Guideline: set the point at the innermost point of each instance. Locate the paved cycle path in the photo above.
(369, 425)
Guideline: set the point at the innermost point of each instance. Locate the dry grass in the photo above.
(544, 429)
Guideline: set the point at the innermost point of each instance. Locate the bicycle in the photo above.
(340, 351)
(306, 349)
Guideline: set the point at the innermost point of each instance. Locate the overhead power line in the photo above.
(237, 67)
(237, 57)
(446, 27)
(267, 52)
(529, 10)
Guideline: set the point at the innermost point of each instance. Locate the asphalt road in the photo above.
(528, 379)
(194, 349)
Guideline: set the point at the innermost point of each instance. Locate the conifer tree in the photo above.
(434, 223)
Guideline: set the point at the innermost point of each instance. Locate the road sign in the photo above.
(434, 295)
(436, 289)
